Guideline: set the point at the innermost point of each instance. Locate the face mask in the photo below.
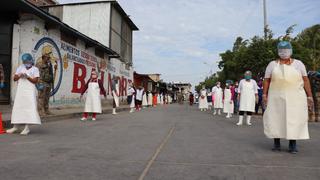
(28, 65)
(247, 77)
(94, 76)
(285, 53)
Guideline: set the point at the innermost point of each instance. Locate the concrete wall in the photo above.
(74, 62)
(92, 20)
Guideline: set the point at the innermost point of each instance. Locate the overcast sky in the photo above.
(182, 39)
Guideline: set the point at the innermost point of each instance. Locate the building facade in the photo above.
(29, 29)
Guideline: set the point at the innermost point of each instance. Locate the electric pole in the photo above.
(265, 19)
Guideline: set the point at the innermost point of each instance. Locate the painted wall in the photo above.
(74, 62)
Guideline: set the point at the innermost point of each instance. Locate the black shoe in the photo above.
(293, 151)
(276, 145)
(293, 147)
(276, 148)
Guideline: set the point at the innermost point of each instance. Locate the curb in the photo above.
(62, 117)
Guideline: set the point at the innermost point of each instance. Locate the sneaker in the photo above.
(12, 130)
(83, 119)
(25, 132)
(94, 119)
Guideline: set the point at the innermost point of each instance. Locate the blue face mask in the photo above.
(247, 77)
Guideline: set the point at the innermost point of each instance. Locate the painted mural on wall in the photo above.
(72, 67)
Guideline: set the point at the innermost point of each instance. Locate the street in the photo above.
(163, 143)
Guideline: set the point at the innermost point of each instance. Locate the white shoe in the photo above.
(132, 110)
(13, 130)
(83, 119)
(240, 121)
(228, 115)
(93, 119)
(26, 131)
(249, 120)
(114, 111)
(219, 112)
(214, 112)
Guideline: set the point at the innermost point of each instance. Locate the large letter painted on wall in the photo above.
(78, 78)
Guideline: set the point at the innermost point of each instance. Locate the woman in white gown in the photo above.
(287, 94)
(228, 106)
(203, 101)
(24, 111)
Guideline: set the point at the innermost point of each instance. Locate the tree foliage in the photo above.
(254, 54)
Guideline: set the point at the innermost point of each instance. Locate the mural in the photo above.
(71, 67)
(46, 46)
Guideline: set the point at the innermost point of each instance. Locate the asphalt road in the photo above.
(164, 143)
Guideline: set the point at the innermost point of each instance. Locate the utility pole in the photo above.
(265, 19)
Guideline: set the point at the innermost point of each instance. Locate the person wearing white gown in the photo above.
(287, 94)
(228, 106)
(131, 97)
(144, 100)
(24, 111)
(150, 99)
(203, 101)
(217, 94)
(248, 96)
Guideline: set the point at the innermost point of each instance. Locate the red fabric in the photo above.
(102, 90)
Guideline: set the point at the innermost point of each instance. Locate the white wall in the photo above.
(31, 32)
(92, 20)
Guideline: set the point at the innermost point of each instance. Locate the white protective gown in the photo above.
(218, 95)
(133, 103)
(144, 100)
(150, 99)
(248, 91)
(286, 115)
(24, 109)
(203, 102)
(93, 100)
(158, 98)
(115, 96)
(228, 106)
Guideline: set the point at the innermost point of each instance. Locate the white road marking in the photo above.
(155, 155)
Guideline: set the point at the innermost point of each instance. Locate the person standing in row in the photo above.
(155, 99)
(46, 80)
(150, 99)
(191, 99)
(139, 97)
(115, 94)
(25, 111)
(217, 95)
(235, 97)
(131, 97)
(144, 99)
(93, 100)
(287, 94)
(203, 102)
(260, 101)
(228, 106)
(248, 96)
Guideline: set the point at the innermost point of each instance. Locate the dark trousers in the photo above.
(241, 113)
(260, 103)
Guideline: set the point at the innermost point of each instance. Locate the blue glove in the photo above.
(2, 85)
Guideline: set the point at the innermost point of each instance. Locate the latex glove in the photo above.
(310, 104)
(265, 100)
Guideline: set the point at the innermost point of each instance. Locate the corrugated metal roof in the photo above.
(114, 3)
(16, 6)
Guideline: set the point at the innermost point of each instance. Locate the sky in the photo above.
(182, 39)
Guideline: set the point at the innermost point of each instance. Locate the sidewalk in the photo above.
(58, 113)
